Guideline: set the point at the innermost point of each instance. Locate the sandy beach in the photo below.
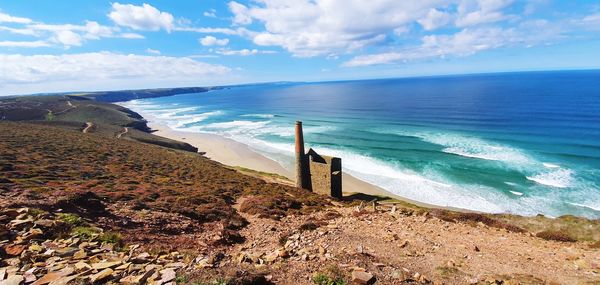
(232, 153)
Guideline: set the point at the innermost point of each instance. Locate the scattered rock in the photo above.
(362, 277)
(138, 279)
(104, 265)
(104, 274)
(14, 250)
(52, 276)
(80, 254)
(167, 275)
(13, 280)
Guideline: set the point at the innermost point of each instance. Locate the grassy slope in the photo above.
(44, 163)
(73, 113)
(126, 95)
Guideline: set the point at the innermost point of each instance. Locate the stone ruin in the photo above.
(318, 173)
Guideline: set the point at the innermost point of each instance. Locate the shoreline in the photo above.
(235, 154)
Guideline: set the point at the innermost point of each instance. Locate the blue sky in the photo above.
(50, 46)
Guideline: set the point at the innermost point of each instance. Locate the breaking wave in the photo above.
(595, 208)
(561, 178)
(260, 116)
(474, 147)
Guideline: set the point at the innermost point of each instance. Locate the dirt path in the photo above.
(71, 107)
(88, 126)
(125, 130)
(395, 247)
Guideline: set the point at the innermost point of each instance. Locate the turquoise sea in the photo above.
(525, 143)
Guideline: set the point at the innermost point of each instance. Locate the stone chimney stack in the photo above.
(301, 159)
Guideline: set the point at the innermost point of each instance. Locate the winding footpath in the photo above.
(125, 130)
(88, 126)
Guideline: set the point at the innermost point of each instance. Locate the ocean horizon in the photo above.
(523, 143)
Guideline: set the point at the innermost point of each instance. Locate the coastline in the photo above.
(235, 154)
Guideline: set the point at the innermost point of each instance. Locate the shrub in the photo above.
(36, 212)
(555, 236)
(70, 219)
(181, 279)
(446, 270)
(331, 215)
(310, 226)
(85, 232)
(110, 237)
(333, 275)
(322, 279)
(474, 218)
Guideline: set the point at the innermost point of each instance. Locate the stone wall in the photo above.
(325, 174)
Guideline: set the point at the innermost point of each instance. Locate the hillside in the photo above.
(82, 204)
(79, 113)
(126, 95)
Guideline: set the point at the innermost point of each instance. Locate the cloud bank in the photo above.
(101, 70)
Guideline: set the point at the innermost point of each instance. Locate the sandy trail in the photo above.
(125, 130)
(88, 126)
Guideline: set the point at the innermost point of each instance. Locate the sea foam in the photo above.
(261, 116)
(561, 178)
(184, 120)
(475, 147)
(595, 208)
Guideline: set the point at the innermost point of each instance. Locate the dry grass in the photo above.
(581, 229)
(474, 218)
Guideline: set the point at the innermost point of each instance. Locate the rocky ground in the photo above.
(339, 245)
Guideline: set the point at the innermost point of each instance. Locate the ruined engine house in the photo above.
(318, 173)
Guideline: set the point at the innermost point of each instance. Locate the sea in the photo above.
(525, 143)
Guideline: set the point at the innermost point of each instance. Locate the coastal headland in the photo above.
(91, 192)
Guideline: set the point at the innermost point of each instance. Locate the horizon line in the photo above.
(315, 82)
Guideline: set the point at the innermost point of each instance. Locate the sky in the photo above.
(60, 45)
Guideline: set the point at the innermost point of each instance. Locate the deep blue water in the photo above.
(524, 143)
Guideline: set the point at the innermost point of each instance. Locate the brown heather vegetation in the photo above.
(556, 236)
(51, 167)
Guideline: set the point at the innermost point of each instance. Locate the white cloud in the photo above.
(67, 38)
(212, 41)
(476, 12)
(69, 35)
(240, 13)
(20, 74)
(434, 19)
(5, 18)
(244, 52)
(145, 17)
(152, 51)
(591, 22)
(321, 27)
(226, 31)
(464, 43)
(212, 13)
(19, 31)
(93, 30)
(24, 44)
(132, 36)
